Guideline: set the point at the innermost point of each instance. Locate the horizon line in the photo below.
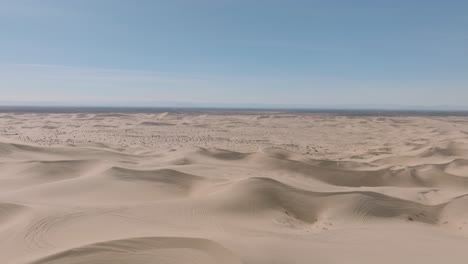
(237, 107)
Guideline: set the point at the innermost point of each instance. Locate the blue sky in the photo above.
(234, 52)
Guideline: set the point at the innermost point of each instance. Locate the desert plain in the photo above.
(226, 187)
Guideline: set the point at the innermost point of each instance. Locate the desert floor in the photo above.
(232, 188)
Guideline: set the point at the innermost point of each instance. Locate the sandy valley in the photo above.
(267, 187)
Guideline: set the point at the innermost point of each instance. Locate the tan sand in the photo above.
(232, 188)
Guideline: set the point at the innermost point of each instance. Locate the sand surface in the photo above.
(269, 187)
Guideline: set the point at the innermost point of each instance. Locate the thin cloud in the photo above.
(28, 9)
(83, 85)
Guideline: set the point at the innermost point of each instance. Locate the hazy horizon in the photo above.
(240, 106)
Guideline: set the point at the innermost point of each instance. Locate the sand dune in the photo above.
(253, 188)
(145, 250)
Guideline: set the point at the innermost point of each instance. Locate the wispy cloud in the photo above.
(90, 85)
(55, 82)
(28, 9)
(98, 86)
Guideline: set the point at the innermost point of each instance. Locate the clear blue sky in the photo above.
(234, 52)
